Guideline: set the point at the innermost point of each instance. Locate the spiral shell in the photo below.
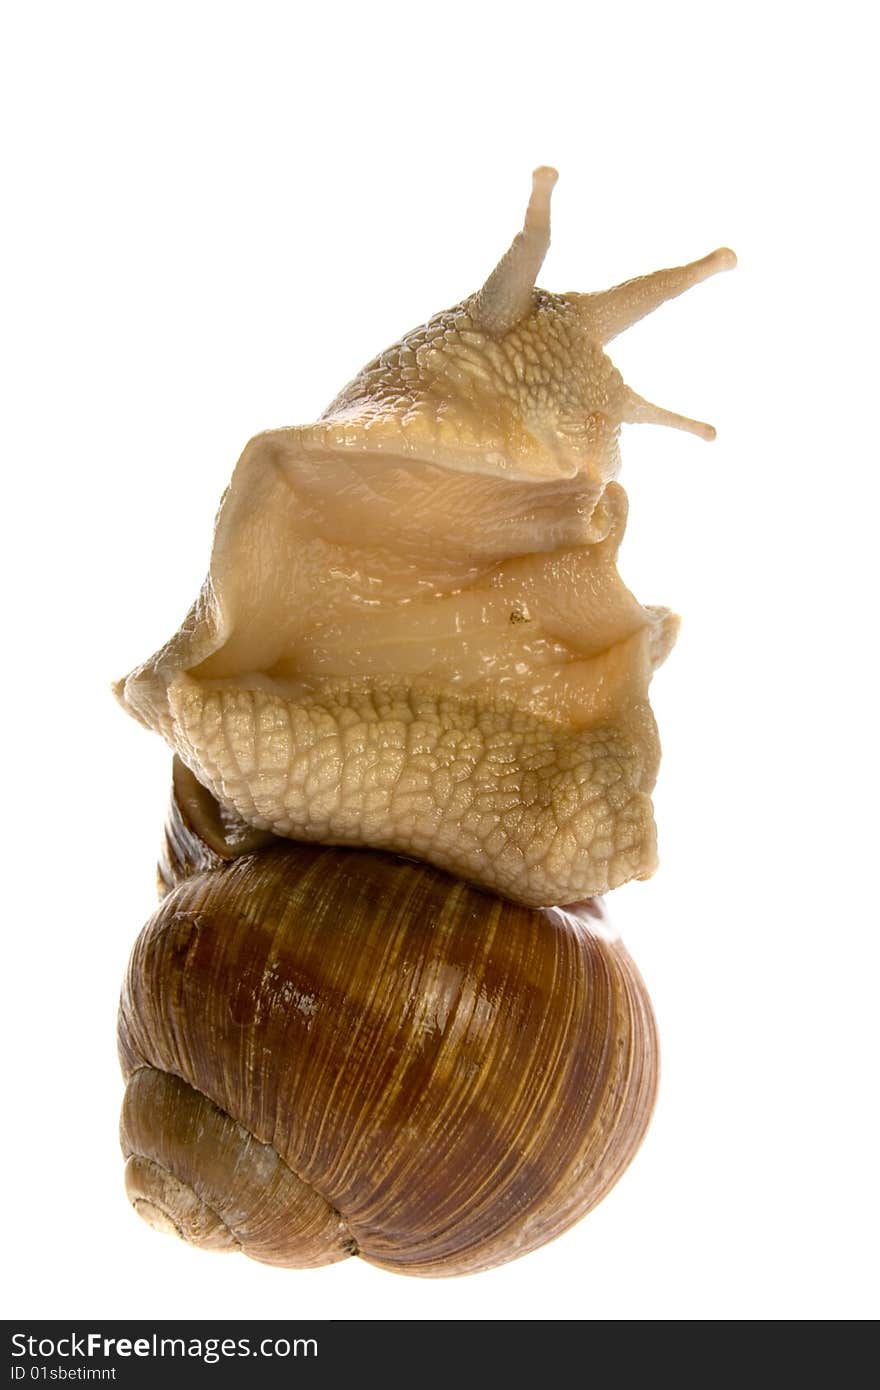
(333, 1052)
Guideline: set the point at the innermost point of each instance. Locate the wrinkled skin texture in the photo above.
(413, 635)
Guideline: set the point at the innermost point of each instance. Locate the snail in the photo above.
(379, 1011)
(333, 1052)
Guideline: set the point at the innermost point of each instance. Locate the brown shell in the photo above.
(332, 1052)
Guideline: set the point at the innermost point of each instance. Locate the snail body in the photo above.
(413, 635)
(333, 1052)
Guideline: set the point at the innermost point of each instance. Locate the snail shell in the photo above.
(333, 1052)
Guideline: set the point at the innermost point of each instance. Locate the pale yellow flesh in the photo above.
(413, 634)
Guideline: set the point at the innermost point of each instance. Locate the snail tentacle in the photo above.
(507, 294)
(611, 312)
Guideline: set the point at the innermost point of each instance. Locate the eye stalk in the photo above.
(507, 294)
(611, 312)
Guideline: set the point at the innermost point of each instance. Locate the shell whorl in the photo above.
(192, 1170)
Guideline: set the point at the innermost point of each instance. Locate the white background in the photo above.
(214, 215)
